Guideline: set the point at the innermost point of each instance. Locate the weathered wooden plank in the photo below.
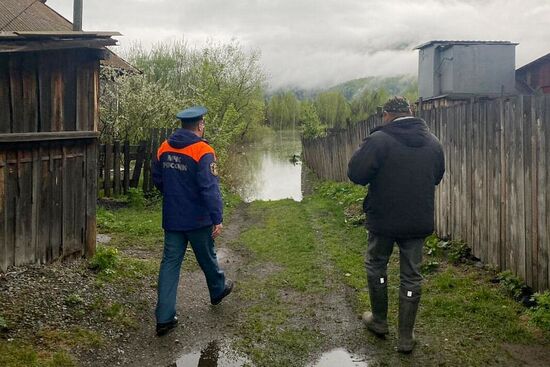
(16, 94)
(139, 164)
(44, 207)
(474, 238)
(5, 97)
(530, 232)
(69, 92)
(94, 96)
(91, 197)
(40, 137)
(116, 168)
(147, 166)
(24, 93)
(520, 182)
(484, 227)
(24, 245)
(463, 190)
(546, 127)
(56, 218)
(67, 206)
(3, 220)
(58, 93)
(37, 248)
(126, 149)
(45, 96)
(494, 176)
(11, 190)
(107, 170)
(83, 97)
(80, 208)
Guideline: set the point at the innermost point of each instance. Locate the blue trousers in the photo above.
(175, 245)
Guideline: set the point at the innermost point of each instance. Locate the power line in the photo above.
(18, 15)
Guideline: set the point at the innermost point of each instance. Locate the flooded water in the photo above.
(341, 358)
(213, 355)
(269, 169)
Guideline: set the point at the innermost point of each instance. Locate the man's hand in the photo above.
(217, 230)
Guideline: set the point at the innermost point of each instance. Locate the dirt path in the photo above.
(200, 322)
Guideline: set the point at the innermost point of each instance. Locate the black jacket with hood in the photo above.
(402, 162)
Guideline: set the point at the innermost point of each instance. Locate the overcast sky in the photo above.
(311, 43)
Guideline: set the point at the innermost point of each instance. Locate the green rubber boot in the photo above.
(408, 308)
(377, 320)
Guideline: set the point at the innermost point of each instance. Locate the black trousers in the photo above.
(379, 251)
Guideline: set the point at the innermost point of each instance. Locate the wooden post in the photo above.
(139, 163)
(77, 15)
(126, 149)
(4, 247)
(147, 166)
(116, 168)
(91, 198)
(107, 173)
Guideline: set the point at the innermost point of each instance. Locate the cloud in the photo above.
(311, 43)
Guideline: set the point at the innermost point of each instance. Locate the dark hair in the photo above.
(191, 124)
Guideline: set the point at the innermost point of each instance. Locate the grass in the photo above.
(297, 255)
(462, 311)
(15, 354)
(269, 332)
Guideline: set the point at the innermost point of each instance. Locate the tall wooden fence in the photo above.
(122, 166)
(328, 157)
(495, 193)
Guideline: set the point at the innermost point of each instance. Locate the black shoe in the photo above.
(225, 293)
(166, 327)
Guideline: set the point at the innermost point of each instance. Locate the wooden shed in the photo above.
(536, 75)
(49, 88)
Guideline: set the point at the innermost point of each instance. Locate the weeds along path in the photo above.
(300, 289)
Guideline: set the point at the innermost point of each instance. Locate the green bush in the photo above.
(136, 199)
(106, 220)
(342, 193)
(511, 284)
(3, 324)
(540, 314)
(458, 251)
(105, 259)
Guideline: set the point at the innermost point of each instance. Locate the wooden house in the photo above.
(49, 88)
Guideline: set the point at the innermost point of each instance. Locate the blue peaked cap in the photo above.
(192, 113)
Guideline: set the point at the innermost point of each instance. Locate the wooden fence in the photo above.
(122, 166)
(495, 193)
(328, 157)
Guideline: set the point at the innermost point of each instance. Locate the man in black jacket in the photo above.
(402, 162)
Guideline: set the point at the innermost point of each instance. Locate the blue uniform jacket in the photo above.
(185, 172)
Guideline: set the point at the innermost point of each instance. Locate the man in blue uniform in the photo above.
(186, 174)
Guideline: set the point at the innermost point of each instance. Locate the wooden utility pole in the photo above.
(77, 15)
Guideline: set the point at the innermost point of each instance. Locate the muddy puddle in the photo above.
(217, 355)
(341, 358)
(213, 355)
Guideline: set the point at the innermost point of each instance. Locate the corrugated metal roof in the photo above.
(30, 15)
(452, 43)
